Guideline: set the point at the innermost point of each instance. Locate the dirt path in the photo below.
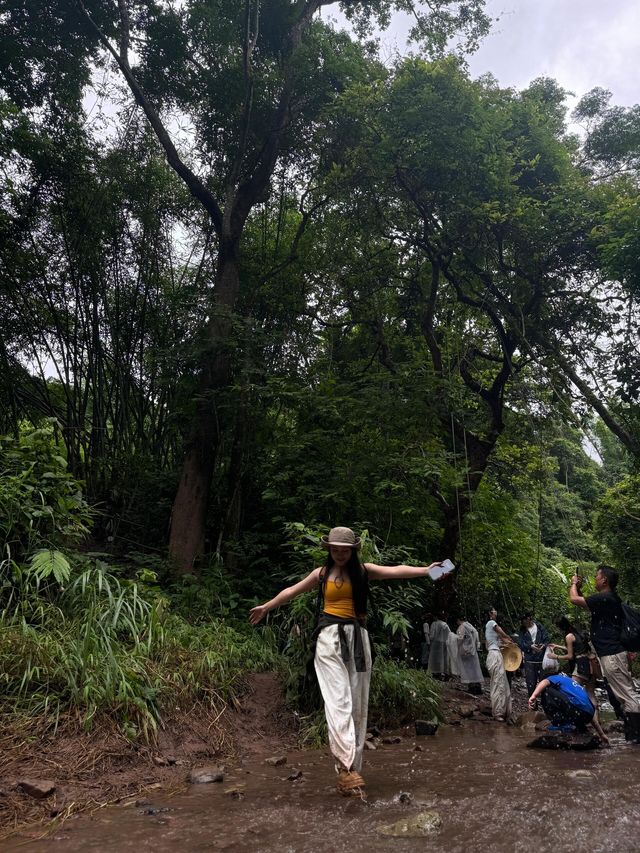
(89, 769)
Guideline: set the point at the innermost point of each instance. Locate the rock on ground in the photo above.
(204, 775)
(422, 824)
(39, 789)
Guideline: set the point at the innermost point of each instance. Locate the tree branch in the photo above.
(193, 182)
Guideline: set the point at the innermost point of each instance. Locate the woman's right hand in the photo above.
(257, 614)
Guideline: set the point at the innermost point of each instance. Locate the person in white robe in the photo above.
(426, 643)
(439, 665)
(468, 646)
(454, 655)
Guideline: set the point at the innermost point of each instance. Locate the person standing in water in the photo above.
(606, 628)
(469, 643)
(439, 659)
(342, 650)
(533, 640)
(495, 637)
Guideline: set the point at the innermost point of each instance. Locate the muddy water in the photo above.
(490, 791)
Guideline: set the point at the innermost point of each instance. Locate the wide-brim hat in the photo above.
(511, 657)
(342, 537)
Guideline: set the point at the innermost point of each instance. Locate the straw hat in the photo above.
(342, 537)
(511, 657)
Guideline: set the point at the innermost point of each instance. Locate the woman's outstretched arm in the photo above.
(380, 573)
(256, 614)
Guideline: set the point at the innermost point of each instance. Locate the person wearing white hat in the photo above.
(342, 650)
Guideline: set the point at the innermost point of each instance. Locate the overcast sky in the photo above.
(580, 43)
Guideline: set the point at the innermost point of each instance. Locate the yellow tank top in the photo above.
(338, 600)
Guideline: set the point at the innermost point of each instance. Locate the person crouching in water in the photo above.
(567, 704)
(342, 657)
(500, 688)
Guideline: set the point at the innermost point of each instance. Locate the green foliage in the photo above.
(399, 694)
(79, 636)
(396, 623)
(423, 261)
(617, 526)
(47, 563)
(40, 503)
(100, 647)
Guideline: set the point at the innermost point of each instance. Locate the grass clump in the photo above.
(98, 646)
(399, 694)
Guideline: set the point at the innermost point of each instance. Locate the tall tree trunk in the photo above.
(189, 514)
(479, 453)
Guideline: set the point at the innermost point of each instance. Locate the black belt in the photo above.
(327, 619)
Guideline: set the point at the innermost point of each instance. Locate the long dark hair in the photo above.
(569, 628)
(359, 580)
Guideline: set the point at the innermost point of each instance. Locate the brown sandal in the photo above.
(351, 784)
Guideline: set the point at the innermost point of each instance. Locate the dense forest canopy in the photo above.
(255, 282)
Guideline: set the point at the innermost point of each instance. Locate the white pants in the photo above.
(500, 690)
(346, 695)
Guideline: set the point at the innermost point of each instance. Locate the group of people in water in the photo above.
(568, 698)
(342, 653)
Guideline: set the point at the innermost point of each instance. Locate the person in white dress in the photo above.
(439, 661)
(468, 646)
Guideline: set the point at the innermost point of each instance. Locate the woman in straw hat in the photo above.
(342, 651)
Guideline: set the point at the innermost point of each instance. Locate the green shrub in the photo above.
(399, 694)
(98, 646)
(41, 505)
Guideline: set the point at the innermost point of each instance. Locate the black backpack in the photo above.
(630, 633)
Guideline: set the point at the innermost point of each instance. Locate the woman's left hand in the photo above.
(257, 614)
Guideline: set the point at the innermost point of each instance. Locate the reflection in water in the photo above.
(489, 790)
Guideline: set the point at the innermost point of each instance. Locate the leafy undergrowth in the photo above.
(97, 647)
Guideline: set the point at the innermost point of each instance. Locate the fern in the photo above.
(47, 562)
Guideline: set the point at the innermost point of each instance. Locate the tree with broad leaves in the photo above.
(252, 78)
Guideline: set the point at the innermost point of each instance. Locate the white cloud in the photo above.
(580, 43)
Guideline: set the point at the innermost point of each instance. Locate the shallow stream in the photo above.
(490, 792)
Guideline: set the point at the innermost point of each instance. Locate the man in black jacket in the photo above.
(533, 639)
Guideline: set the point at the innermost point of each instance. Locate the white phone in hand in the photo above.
(444, 568)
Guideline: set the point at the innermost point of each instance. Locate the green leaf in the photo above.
(48, 562)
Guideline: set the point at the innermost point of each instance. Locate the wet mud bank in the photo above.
(53, 773)
(473, 785)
